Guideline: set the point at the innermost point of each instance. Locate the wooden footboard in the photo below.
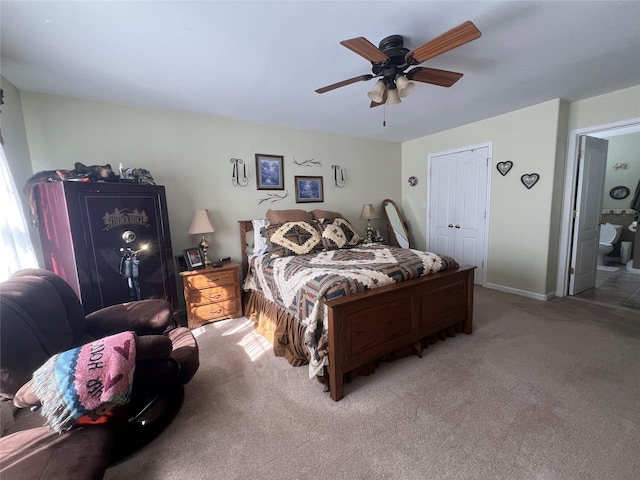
(368, 325)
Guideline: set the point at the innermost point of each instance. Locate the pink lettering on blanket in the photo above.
(90, 379)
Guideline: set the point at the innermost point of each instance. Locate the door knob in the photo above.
(451, 225)
(457, 226)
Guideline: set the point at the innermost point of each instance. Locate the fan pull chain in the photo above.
(384, 115)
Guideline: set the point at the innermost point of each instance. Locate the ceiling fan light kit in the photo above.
(377, 91)
(393, 97)
(395, 65)
(405, 86)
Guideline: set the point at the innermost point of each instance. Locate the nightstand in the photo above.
(212, 294)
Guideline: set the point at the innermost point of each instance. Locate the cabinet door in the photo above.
(126, 254)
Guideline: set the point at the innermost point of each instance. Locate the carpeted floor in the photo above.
(540, 390)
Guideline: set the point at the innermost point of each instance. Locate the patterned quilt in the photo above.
(301, 284)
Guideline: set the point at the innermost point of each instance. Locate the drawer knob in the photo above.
(211, 280)
(213, 297)
(212, 312)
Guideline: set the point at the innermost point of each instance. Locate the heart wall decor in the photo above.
(504, 167)
(529, 179)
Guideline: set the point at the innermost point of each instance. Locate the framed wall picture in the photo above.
(194, 258)
(309, 189)
(270, 172)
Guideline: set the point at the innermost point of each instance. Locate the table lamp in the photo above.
(368, 212)
(201, 224)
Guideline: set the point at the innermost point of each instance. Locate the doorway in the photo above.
(458, 206)
(574, 190)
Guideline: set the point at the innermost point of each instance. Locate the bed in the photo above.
(339, 330)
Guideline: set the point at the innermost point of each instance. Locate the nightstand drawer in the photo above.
(211, 279)
(211, 295)
(214, 311)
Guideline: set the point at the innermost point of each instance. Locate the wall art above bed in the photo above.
(274, 197)
(269, 172)
(308, 163)
(309, 189)
(237, 179)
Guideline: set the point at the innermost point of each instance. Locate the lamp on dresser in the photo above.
(369, 213)
(201, 224)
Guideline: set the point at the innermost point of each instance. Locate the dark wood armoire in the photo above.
(109, 241)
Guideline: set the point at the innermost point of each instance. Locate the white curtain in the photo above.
(16, 250)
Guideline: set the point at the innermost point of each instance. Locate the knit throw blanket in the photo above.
(92, 378)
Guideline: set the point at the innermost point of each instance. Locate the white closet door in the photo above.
(457, 215)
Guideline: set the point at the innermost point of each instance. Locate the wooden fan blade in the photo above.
(384, 100)
(365, 49)
(463, 33)
(443, 78)
(360, 78)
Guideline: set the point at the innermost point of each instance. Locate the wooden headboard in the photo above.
(246, 226)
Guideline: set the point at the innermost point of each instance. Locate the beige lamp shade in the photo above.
(201, 223)
(368, 212)
(393, 98)
(405, 87)
(377, 92)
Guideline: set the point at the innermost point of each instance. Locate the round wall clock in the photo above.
(619, 192)
(413, 181)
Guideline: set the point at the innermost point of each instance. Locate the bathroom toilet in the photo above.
(609, 235)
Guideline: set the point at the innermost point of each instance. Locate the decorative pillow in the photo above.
(284, 216)
(338, 233)
(319, 214)
(259, 241)
(292, 238)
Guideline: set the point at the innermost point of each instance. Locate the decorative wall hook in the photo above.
(236, 180)
(338, 176)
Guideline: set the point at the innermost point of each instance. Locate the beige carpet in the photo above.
(540, 390)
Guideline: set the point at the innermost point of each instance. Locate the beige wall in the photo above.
(525, 226)
(190, 155)
(519, 222)
(604, 109)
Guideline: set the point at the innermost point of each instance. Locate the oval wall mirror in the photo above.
(396, 225)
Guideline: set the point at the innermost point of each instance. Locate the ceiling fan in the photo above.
(390, 61)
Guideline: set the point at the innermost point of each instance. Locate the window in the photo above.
(16, 250)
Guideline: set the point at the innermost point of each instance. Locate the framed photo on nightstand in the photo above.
(194, 258)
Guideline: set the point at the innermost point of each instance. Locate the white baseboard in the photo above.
(522, 293)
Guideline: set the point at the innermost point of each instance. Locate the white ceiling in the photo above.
(261, 61)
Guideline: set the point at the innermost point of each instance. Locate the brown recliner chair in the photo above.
(40, 315)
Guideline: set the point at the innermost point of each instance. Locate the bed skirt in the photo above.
(281, 329)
